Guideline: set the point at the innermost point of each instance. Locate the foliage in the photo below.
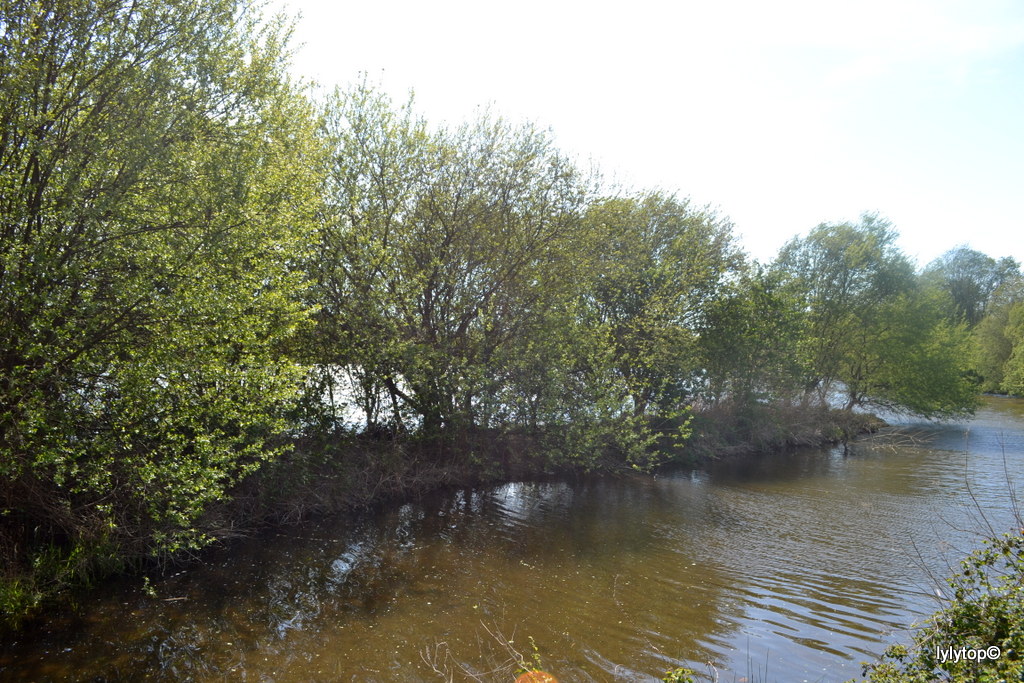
(999, 340)
(157, 174)
(533, 669)
(983, 293)
(1013, 381)
(453, 283)
(986, 611)
(911, 359)
(663, 266)
(680, 675)
(444, 248)
(871, 332)
(750, 341)
(969, 278)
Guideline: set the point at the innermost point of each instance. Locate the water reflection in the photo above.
(794, 567)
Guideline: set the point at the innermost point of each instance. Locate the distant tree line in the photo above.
(988, 295)
(203, 265)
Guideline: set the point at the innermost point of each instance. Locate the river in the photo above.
(791, 567)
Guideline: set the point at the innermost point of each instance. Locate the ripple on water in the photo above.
(781, 568)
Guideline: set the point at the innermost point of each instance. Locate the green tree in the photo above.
(158, 183)
(664, 264)
(751, 340)
(1013, 379)
(446, 250)
(377, 174)
(872, 334)
(997, 338)
(456, 283)
(909, 357)
(970, 278)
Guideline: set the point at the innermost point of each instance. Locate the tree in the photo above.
(907, 357)
(997, 339)
(446, 249)
(970, 278)
(1013, 379)
(871, 333)
(751, 339)
(158, 183)
(664, 264)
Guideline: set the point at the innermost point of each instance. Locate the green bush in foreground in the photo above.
(979, 636)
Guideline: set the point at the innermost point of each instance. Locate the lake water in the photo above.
(793, 567)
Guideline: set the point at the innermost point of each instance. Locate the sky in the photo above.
(780, 115)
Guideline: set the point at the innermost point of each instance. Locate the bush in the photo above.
(979, 635)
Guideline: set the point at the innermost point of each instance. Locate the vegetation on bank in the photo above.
(979, 634)
(222, 295)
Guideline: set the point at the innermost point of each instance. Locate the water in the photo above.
(793, 568)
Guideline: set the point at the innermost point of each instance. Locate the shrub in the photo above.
(985, 615)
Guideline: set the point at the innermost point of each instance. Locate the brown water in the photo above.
(786, 568)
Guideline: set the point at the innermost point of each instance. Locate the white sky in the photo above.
(782, 115)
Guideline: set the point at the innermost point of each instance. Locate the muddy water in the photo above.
(792, 567)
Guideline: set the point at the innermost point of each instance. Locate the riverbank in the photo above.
(345, 473)
(333, 475)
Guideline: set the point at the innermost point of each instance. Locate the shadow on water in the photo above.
(803, 564)
(363, 601)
